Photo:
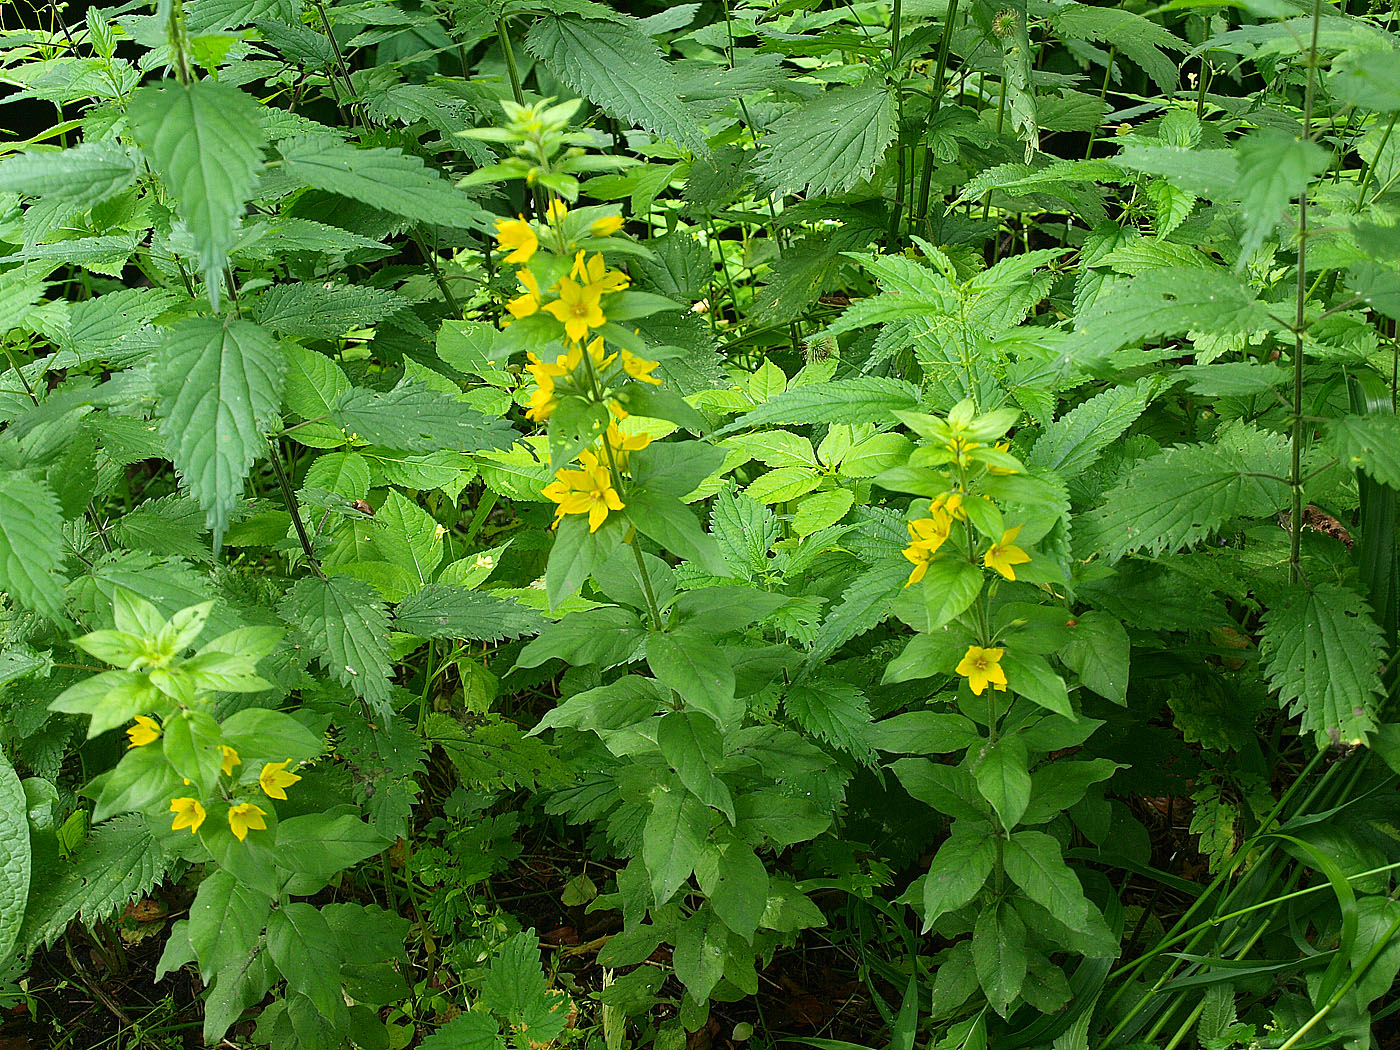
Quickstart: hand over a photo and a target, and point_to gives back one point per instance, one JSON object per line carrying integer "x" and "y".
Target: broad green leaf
{"x": 1031, "y": 676}
{"x": 303, "y": 948}
{"x": 1369, "y": 443}
{"x": 701, "y": 947}
{"x": 673, "y": 839}
{"x": 868, "y": 399}
{"x": 344, "y": 473}
{"x": 690, "y": 741}
{"x": 959, "y": 870}
{"x": 385, "y": 178}
{"x": 322, "y": 310}
{"x": 1099, "y": 654}
{"x": 950, "y": 585}
{"x": 1323, "y": 654}
{"x": 999, "y": 954}
{"x": 409, "y": 537}
{"x": 442, "y": 611}
{"x": 1074, "y": 441}
{"x": 865, "y": 603}
{"x": 829, "y": 143}
{"x": 1033, "y": 861}
{"x": 604, "y": 636}
{"x": 515, "y": 989}
{"x": 205, "y": 139}
{"x": 320, "y": 845}
{"x": 923, "y": 733}
{"x": 226, "y": 922}
{"x": 618, "y": 67}
{"x": 15, "y": 858}
{"x": 347, "y": 624}
{"x": 1137, "y": 37}
{"x": 739, "y": 891}
{"x": 472, "y": 1030}
{"x": 31, "y": 545}
{"x": 769, "y": 816}
{"x": 82, "y": 175}
{"x": 835, "y": 712}
{"x": 1275, "y": 167}
{"x": 697, "y": 670}
{"x": 782, "y": 484}
{"x": 220, "y": 386}
{"x": 1056, "y": 786}
{"x": 744, "y": 529}
{"x": 413, "y": 418}
{"x": 1003, "y": 778}
{"x": 821, "y": 510}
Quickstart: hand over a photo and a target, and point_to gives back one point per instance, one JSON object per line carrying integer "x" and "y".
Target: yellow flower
{"x": 926, "y": 535}
{"x": 982, "y": 667}
{"x": 588, "y": 490}
{"x": 529, "y": 303}
{"x": 517, "y": 237}
{"x": 623, "y": 445}
{"x": 606, "y": 226}
{"x": 230, "y": 759}
{"x": 246, "y": 816}
{"x": 595, "y": 274}
{"x": 959, "y": 446}
{"x": 639, "y": 367}
{"x": 555, "y": 213}
{"x": 145, "y": 731}
{"x": 275, "y": 779}
{"x": 578, "y": 308}
{"x": 950, "y": 504}
{"x": 188, "y": 814}
{"x": 1002, "y": 556}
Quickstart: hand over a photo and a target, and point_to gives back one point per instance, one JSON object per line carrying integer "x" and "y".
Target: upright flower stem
{"x": 920, "y": 211}
{"x": 897, "y": 211}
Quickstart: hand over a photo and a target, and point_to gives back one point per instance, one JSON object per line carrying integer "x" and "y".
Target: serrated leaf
{"x": 415, "y": 419}
{"x": 868, "y": 399}
{"x": 1274, "y": 168}
{"x": 31, "y": 545}
{"x": 836, "y": 712}
{"x": 618, "y": 67}
{"x": 15, "y": 858}
{"x": 1370, "y": 444}
{"x": 440, "y": 611}
{"x": 744, "y": 529}
{"x": 830, "y": 143}
{"x": 206, "y": 141}
{"x": 308, "y": 310}
{"x": 1165, "y": 302}
{"x": 385, "y": 178}
{"x": 865, "y": 603}
{"x": 1071, "y": 444}
{"x": 82, "y": 175}
{"x": 1322, "y": 653}
{"x": 346, "y": 622}
{"x": 220, "y": 387}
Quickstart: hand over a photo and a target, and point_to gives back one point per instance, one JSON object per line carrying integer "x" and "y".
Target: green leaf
{"x": 1031, "y": 676}
{"x": 1074, "y": 441}
{"x": 473, "y": 1030}
{"x": 950, "y": 585}
{"x": 691, "y": 742}
{"x": 384, "y": 178}
{"x": 578, "y": 553}
{"x": 836, "y": 712}
{"x": 206, "y": 141}
{"x": 15, "y": 858}
{"x": 303, "y": 948}
{"x": 81, "y": 176}
{"x": 999, "y": 954}
{"x": 744, "y": 529}
{"x": 413, "y": 418}
{"x": 865, "y": 603}
{"x": 768, "y": 815}
{"x": 1099, "y": 654}
{"x": 321, "y": 310}
{"x": 31, "y": 545}
{"x": 226, "y": 923}
{"x": 673, "y": 839}
{"x": 959, "y": 870}
{"x": 1370, "y": 444}
{"x": 829, "y": 143}
{"x": 1033, "y": 861}
{"x": 220, "y": 387}
{"x": 515, "y": 988}
{"x": 868, "y": 399}
{"x": 320, "y": 845}
{"x": 1323, "y": 653}
{"x": 738, "y": 891}
{"x": 1056, "y": 786}
{"x": 1184, "y": 494}
{"x": 604, "y": 636}
{"x": 701, "y": 946}
{"x": 923, "y": 733}
{"x": 410, "y": 537}
{"x": 441, "y": 611}
{"x": 1003, "y": 778}
{"x": 1274, "y": 168}
{"x": 347, "y": 624}
{"x": 697, "y": 670}
{"x": 618, "y": 67}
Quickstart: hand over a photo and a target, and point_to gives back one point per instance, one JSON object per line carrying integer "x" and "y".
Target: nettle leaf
{"x": 1141, "y": 39}
{"x": 385, "y": 178}
{"x": 1370, "y": 444}
{"x": 310, "y": 310}
{"x": 415, "y": 419}
{"x": 220, "y": 387}
{"x": 81, "y": 175}
{"x": 440, "y": 611}
{"x": 1274, "y": 168}
{"x": 1184, "y": 494}
{"x": 31, "y": 544}
{"x": 349, "y": 627}
{"x": 830, "y": 143}
{"x": 865, "y": 603}
{"x": 15, "y": 856}
{"x": 1323, "y": 654}
{"x": 864, "y": 400}
{"x": 206, "y": 141}
{"x": 618, "y": 67}
{"x": 1074, "y": 441}
{"x": 836, "y": 712}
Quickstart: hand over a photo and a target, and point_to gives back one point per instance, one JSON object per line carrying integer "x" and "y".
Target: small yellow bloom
{"x": 556, "y": 212}
{"x": 926, "y": 535}
{"x": 606, "y": 226}
{"x": 950, "y": 504}
{"x": 275, "y": 779}
{"x": 639, "y": 368}
{"x": 982, "y": 667}
{"x": 588, "y": 490}
{"x": 145, "y": 731}
{"x": 959, "y": 446}
{"x": 529, "y": 303}
{"x": 230, "y": 759}
{"x": 245, "y": 817}
{"x": 518, "y": 237}
{"x": 188, "y": 814}
{"x": 595, "y": 274}
{"x": 623, "y": 445}
{"x": 1005, "y": 554}
{"x": 578, "y": 308}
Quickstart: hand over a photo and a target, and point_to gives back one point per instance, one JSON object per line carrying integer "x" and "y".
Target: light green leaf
{"x": 1031, "y": 676}
{"x": 820, "y": 510}
{"x": 673, "y": 839}
{"x": 691, "y": 742}
{"x": 1074, "y": 441}
{"x": 226, "y": 922}
{"x": 442, "y": 611}
{"x": 303, "y": 948}
{"x": 1369, "y": 443}
{"x": 409, "y": 536}
{"x": 1275, "y": 167}
{"x": 1323, "y": 654}
{"x": 830, "y": 143}
{"x": 949, "y": 587}
{"x": 782, "y": 484}
{"x": 1003, "y": 778}
{"x": 473, "y": 1030}
{"x": 959, "y": 870}
{"x": 206, "y": 141}
{"x": 81, "y": 175}
{"x": 15, "y": 859}
{"x": 868, "y": 399}
{"x": 220, "y": 388}
{"x": 31, "y": 545}
{"x": 1099, "y": 655}
{"x": 349, "y": 628}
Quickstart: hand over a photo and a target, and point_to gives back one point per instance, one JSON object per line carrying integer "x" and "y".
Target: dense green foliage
{"x": 845, "y": 465}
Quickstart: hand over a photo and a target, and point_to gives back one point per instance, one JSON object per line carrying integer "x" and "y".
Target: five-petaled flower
{"x": 244, "y": 817}
{"x": 275, "y": 779}
{"x": 595, "y": 273}
{"x": 556, "y": 212}
{"x": 1003, "y": 555}
{"x": 517, "y": 237}
{"x": 529, "y": 303}
{"x": 188, "y": 814}
{"x": 578, "y": 308}
{"x": 926, "y": 535}
{"x": 982, "y": 667}
{"x": 145, "y": 731}
{"x": 229, "y": 759}
{"x": 639, "y": 367}
{"x": 588, "y": 490}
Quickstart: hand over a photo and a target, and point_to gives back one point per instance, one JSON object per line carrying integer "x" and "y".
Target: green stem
{"x": 512, "y": 70}
{"x": 289, "y": 497}
{"x": 939, "y": 72}
{"x": 897, "y": 212}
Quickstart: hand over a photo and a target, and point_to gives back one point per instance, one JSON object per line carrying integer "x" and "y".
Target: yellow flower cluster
{"x": 591, "y": 489}
{"x": 926, "y": 535}
{"x": 189, "y": 812}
